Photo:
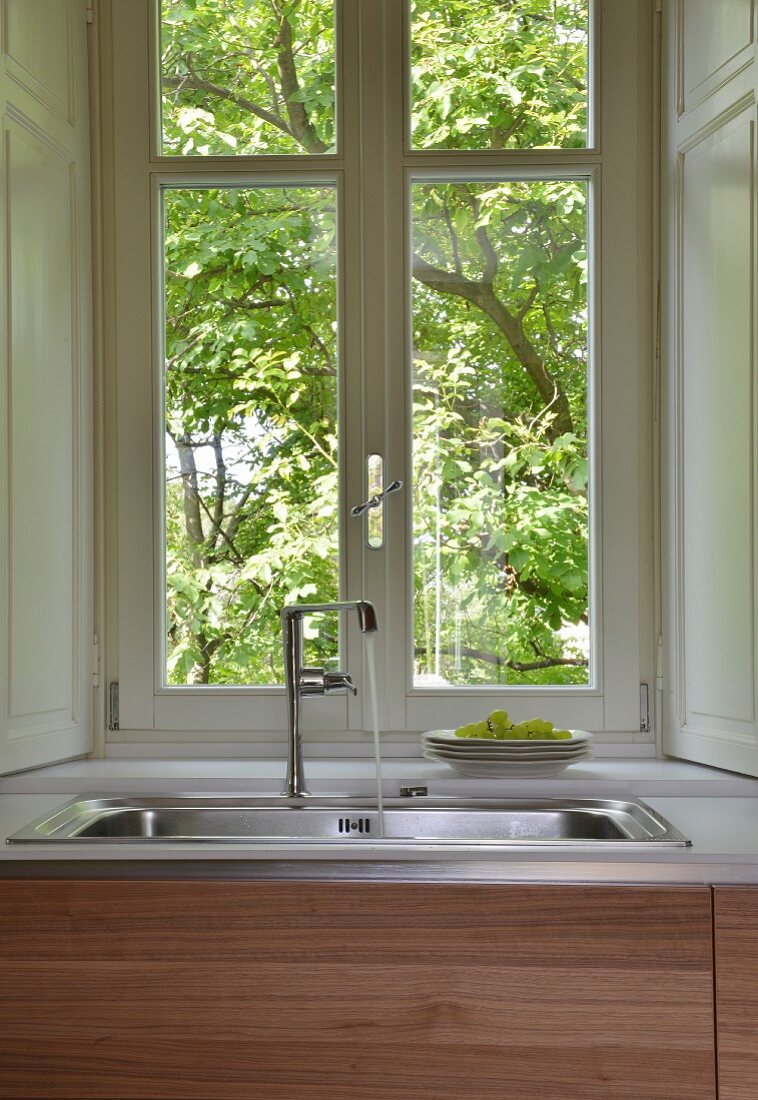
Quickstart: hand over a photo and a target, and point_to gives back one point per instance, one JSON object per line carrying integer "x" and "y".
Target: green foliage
{"x": 499, "y": 74}
{"x": 499, "y": 331}
{"x": 500, "y": 516}
{"x": 251, "y": 392}
{"x": 247, "y": 76}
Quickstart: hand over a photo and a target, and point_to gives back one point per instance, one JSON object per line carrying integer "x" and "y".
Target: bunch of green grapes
{"x": 499, "y": 727}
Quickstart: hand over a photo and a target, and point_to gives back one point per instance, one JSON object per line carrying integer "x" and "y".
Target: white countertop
{"x": 717, "y": 810}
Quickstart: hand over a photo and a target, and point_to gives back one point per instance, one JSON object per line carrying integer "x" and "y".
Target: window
{"x": 363, "y": 242}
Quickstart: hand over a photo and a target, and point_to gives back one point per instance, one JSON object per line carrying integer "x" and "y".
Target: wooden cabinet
{"x": 351, "y": 991}
{"x": 736, "y": 940}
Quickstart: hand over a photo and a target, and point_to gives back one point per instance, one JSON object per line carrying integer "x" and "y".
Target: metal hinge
{"x": 89, "y": 11}
{"x": 659, "y": 7}
{"x": 113, "y": 706}
{"x": 95, "y": 666}
{"x": 645, "y": 708}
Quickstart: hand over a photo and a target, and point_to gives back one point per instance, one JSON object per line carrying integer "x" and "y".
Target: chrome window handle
{"x": 376, "y": 499}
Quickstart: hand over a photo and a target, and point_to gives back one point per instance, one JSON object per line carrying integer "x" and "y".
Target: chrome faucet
{"x": 300, "y": 681}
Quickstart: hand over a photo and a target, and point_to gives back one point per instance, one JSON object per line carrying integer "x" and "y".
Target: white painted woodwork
{"x": 41, "y": 424}
{"x": 373, "y": 171}
{"x": 41, "y": 52}
{"x": 45, "y": 390}
{"x": 709, "y": 395}
{"x": 717, "y": 365}
{"x": 715, "y": 38}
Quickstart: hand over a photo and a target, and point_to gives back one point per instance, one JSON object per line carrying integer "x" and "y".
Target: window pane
{"x": 375, "y": 516}
{"x": 251, "y": 426}
{"x": 247, "y": 76}
{"x": 500, "y": 433}
{"x": 493, "y": 75}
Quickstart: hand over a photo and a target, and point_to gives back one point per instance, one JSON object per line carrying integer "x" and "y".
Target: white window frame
{"x": 372, "y": 169}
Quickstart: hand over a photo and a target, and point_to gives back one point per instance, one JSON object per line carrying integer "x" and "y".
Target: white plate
{"x": 514, "y": 758}
{"x": 526, "y": 748}
{"x": 447, "y": 738}
{"x": 466, "y": 754}
{"x": 509, "y": 762}
{"x": 503, "y": 769}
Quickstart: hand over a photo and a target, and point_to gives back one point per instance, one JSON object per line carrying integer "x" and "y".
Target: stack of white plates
{"x": 484, "y": 756}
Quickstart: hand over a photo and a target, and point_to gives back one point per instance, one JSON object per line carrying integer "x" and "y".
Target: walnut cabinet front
{"x": 353, "y": 991}
{"x": 735, "y": 914}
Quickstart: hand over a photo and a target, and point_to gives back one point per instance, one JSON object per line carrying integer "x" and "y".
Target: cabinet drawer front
{"x": 340, "y": 990}
{"x": 736, "y": 938}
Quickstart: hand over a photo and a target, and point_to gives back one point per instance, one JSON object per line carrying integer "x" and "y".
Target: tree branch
{"x": 453, "y": 241}
{"x": 192, "y": 518}
{"x": 192, "y": 80}
{"x": 482, "y": 295}
{"x": 491, "y": 261}
{"x": 301, "y": 127}
{"x": 517, "y": 666}
{"x": 220, "y": 488}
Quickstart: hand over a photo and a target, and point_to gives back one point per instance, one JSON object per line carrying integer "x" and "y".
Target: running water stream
{"x": 371, "y": 664}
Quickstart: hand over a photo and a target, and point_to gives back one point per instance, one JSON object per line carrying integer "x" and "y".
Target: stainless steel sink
{"x": 350, "y": 821}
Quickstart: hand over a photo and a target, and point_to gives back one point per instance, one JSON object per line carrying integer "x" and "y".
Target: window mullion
{"x": 383, "y": 350}
{"x": 352, "y": 579}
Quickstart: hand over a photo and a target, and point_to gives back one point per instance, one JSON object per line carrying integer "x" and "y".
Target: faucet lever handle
{"x": 339, "y": 681}
{"x": 314, "y": 681}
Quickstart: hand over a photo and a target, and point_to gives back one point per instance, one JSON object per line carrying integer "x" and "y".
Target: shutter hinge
{"x": 113, "y": 706}
{"x": 658, "y": 7}
{"x": 659, "y": 664}
{"x": 95, "y": 666}
{"x": 89, "y": 11}
{"x": 645, "y": 708}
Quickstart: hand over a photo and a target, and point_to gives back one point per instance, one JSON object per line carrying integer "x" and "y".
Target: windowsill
{"x": 342, "y": 746}
{"x": 606, "y": 778}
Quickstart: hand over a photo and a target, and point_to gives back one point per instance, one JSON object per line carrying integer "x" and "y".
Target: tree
{"x": 499, "y": 326}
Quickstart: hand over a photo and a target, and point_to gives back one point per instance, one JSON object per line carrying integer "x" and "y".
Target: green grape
{"x": 498, "y": 727}
{"x": 519, "y": 732}
{"x": 473, "y": 729}
{"x": 539, "y": 727}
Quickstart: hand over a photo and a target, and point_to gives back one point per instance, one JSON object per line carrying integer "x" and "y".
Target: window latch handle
{"x": 376, "y": 499}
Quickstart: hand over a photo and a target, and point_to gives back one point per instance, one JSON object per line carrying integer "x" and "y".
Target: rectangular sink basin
{"x": 350, "y": 821}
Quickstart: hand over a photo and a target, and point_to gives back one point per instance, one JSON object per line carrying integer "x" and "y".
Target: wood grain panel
{"x": 736, "y": 939}
{"x": 340, "y": 991}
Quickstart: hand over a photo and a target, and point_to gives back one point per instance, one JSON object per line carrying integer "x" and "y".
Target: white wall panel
{"x": 717, "y": 371}
{"x": 42, "y": 423}
{"x": 38, "y": 42}
{"x": 715, "y": 40}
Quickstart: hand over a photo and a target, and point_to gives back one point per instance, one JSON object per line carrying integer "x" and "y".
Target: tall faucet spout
{"x": 366, "y": 617}
{"x": 295, "y": 682}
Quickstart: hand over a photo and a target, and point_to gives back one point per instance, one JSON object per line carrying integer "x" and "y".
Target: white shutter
{"x": 709, "y": 412}
{"x": 45, "y": 389}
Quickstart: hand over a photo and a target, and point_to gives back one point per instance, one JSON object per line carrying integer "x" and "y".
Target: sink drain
{"x": 358, "y": 825}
